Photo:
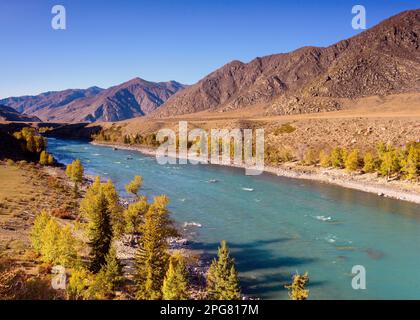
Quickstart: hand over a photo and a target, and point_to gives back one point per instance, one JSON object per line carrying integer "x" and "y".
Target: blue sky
{"x": 109, "y": 42}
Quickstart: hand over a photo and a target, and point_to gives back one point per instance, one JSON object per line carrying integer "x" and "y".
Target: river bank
{"x": 400, "y": 190}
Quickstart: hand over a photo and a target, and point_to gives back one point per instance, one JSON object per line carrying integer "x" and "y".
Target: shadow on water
{"x": 261, "y": 273}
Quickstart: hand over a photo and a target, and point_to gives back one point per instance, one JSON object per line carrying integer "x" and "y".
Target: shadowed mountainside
{"x": 10, "y": 114}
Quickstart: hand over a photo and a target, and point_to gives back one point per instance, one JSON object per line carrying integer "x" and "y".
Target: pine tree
{"x": 99, "y": 231}
{"x": 69, "y": 170}
{"x": 77, "y": 171}
{"x": 54, "y": 244}
{"x": 175, "y": 284}
{"x": 297, "y": 290}
{"x": 222, "y": 279}
{"x": 336, "y": 158}
{"x": 115, "y": 208}
{"x": 389, "y": 162}
{"x": 79, "y": 284}
{"x": 411, "y": 164}
{"x": 324, "y": 159}
{"x": 103, "y": 211}
{"x": 112, "y": 270}
{"x": 369, "y": 164}
{"x": 38, "y": 229}
{"x": 134, "y": 214}
{"x": 50, "y": 251}
{"x": 67, "y": 253}
{"x": 352, "y": 160}
{"x": 152, "y": 257}
{"x": 134, "y": 186}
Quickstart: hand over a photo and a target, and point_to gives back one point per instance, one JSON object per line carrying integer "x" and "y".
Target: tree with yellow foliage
{"x": 352, "y": 161}
{"x": 369, "y": 163}
{"x": 175, "y": 284}
{"x": 297, "y": 290}
{"x": 222, "y": 278}
{"x": 152, "y": 256}
{"x": 134, "y": 185}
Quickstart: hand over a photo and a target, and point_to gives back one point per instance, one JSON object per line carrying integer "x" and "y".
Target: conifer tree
{"x": 369, "y": 164}
{"x": 67, "y": 253}
{"x": 389, "y": 162}
{"x": 112, "y": 270}
{"x": 134, "y": 185}
{"x": 77, "y": 171}
{"x": 50, "y": 251}
{"x": 175, "y": 284}
{"x": 115, "y": 208}
{"x": 324, "y": 159}
{"x": 336, "y": 158}
{"x": 152, "y": 257}
{"x": 222, "y": 278}
{"x": 352, "y": 160}
{"x": 79, "y": 283}
{"x": 38, "y": 229}
{"x": 411, "y": 164}
{"x": 69, "y": 170}
{"x": 134, "y": 214}
{"x": 99, "y": 230}
{"x": 297, "y": 290}
{"x": 103, "y": 211}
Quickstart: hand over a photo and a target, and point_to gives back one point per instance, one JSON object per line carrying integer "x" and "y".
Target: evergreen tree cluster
{"x": 159, "y": 273}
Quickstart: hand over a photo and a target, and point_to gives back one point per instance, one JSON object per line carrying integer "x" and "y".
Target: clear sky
{"x": 108, "y": 42}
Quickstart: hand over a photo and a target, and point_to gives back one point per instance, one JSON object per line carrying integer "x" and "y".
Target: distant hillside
{"x": 134, "y": 98}
{"x": 10, "y": 114}
{"x": 48, "y": 100}
{"x": 381, "y": 61}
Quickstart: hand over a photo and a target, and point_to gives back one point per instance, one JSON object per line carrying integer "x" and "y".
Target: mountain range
{"x": 381, "y": 61}
{"x": 130, "y": 99}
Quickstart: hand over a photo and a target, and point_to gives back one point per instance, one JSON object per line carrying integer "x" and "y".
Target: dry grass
{"x": 25, "y": 190}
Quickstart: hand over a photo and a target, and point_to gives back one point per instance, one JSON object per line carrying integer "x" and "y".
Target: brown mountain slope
{"x": 134, "y": 98}
{"x": 10, "y": 114}
{"x": 48, "y": 100}
{"x": 380, "y": 61}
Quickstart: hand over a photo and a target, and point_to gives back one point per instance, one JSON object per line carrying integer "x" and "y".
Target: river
{"x": 281, "y": 227}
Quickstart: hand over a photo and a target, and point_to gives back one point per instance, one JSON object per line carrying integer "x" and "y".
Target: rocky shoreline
{"x": 399, "y": 190}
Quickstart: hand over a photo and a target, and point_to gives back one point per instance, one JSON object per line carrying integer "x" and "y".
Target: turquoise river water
{"x": 282, "y": 226}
